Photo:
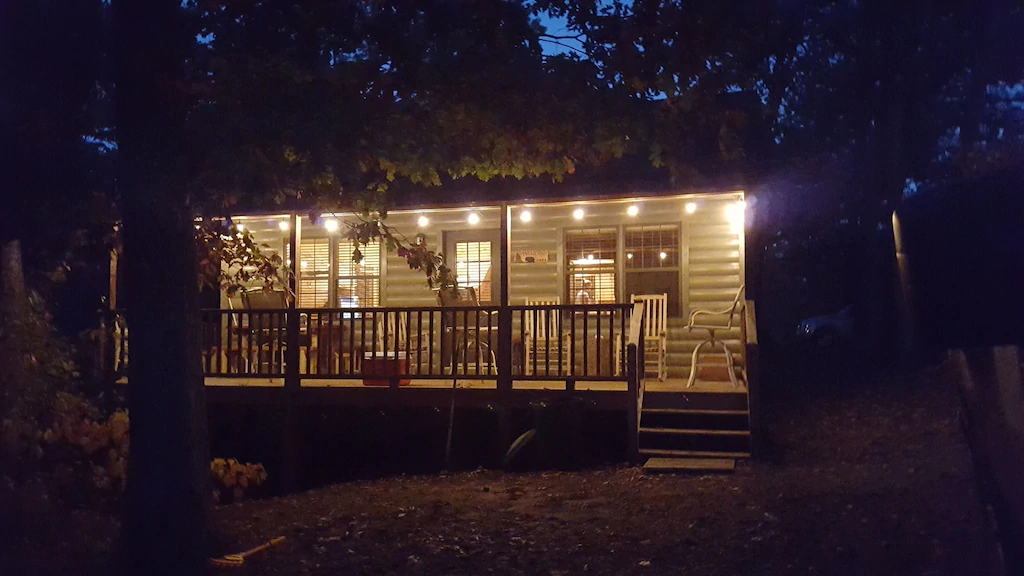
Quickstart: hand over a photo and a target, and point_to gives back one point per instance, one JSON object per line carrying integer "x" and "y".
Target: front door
{"x": 653, "y": 263}
{"x": 475, "y": 255}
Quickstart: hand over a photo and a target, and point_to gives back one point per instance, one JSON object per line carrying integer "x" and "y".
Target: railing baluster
{"x": 622, "y": 341}
{"x": 408, "y": 340}
{"x": 430, "y": 352}
{"x": 490, "y": 343}
{"x": 373, "y": 342}
{"x": 465, "y": 341}
{"x": 558, "y": 334}
{"x": 522, "y": 342}
{"x": 351, "y": 342}
{"x": 229, "y": 348}
{"x": 534, "y": 313}
{"x": 597, "y": 335}
{"x": 419, "y": 342}
{"x": 586, "y": 343}
{"x": 572, "y": 342}
{"x": 476, "y": 314}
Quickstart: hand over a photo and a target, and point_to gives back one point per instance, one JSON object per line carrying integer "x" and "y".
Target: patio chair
{"x": 266, "y": 315}
{"x": 543, "y": 337}
{"x": 705, "y": 320}
{"x": 655, "y": 328}
{"x": 460, "y": 331}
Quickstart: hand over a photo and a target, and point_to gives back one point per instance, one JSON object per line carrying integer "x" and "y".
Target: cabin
{"x": 635, "y": 304}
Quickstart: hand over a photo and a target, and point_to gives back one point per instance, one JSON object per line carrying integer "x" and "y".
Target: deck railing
{"x": 549, "y": 342}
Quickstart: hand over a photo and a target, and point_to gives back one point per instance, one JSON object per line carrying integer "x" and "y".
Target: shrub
{"x": 234, "y": 479}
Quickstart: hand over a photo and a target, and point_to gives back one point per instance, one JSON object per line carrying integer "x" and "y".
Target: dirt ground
{"x": 870, "y": 481}
{"x": 875, "y": 481}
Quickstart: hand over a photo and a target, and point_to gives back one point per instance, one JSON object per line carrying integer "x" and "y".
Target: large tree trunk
{"x": 12, "y": 276}
{"x": 166, "y": 528}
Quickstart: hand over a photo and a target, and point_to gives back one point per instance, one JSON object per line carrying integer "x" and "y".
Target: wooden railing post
{"x": 750, "y": 365}
{"x": 633, "y": 406}
{"x": 635, "y": 380}
{"x": 291, "y": 440}
{"x": 504, "y": 334}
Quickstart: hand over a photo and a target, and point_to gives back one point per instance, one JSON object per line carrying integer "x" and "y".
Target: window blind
{"x": 358, "y": 284}
{"x": 473, "y": 267}
{"x": 590, "y": 255}
{"x": 314, "y": 273}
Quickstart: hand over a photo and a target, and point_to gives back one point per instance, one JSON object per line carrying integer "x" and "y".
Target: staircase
{"x": 703, "y": 428}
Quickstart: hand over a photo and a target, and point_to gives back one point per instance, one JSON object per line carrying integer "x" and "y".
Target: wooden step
{"x": 690, "y": 465}
{"x": 692, "y": 453}
{"x": 695, "y": 432}
{"x": 689, "y": 412}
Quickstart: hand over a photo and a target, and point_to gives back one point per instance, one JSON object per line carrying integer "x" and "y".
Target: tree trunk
{"x": 166, "y": 527}
{"x": 12, "y": 276}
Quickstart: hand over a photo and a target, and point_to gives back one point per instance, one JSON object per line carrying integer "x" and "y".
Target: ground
{"x": 873, "y": 480}
{"x": 869, "y": 481}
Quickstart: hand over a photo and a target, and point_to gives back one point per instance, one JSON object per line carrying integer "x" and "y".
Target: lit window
{"x": 358, "y": 284}
{"x": 590, "y": 256}
{"x": 652, "y": 246}
{"x": 473, "y": 267}
{"x": 315, "y": 273}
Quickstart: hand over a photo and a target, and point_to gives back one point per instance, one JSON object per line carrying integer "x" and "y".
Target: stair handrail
{"x": 635, "y": 381}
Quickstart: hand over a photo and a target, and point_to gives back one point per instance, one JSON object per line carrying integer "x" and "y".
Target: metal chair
{"x": 655, "y": 327}
{"x": 463, "y": 336}
{"x": 543, "y": 336}
{"x": 703, "y": 320}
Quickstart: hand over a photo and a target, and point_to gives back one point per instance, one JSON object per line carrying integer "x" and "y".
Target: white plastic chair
{"x": 549, "y": 342}
{"x": 704, "y": 320}
{"x": 655, "y": 327}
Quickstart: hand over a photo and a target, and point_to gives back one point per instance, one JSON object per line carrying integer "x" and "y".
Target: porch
{"x": 545, "y": 310}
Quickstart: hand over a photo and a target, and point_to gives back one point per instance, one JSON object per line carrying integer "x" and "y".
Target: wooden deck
{"x": 652, "y": 385}
{"x": 437, "y": 392}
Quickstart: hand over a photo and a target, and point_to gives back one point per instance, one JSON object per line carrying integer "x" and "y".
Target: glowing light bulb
{"x": 590, "y": 256}
{"x": 525, "y": 216}
{"x": 423, "y": 221}
{"x": 633, "y": 210}
{"x": 629, "y": 256}
{"x": 578, "y": 213}
{"x": 331, "y": 225}
{"x": 691, "y": 207}
{"x": 474, "y": 218}
{"x": 239, "y": 227}
{"x": 283, "y": 225}
{"x": 663, "y": 255}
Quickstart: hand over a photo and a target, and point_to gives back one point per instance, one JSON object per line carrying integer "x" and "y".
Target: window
{"x": 358, "y": 284}
{"x": 329, "y": 278}
{"x": 652, "y": 246}
{"x": 590, "y": 256}
{"x": 473, "y": 267}
{"x": 314, "y": 272}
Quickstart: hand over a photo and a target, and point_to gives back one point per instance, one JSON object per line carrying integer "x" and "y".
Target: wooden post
{"x": 751, "y": 365}
{"x": 292, "y": 379}
{"x": 633, "y": 406}
{"x": 504, "y": 335}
